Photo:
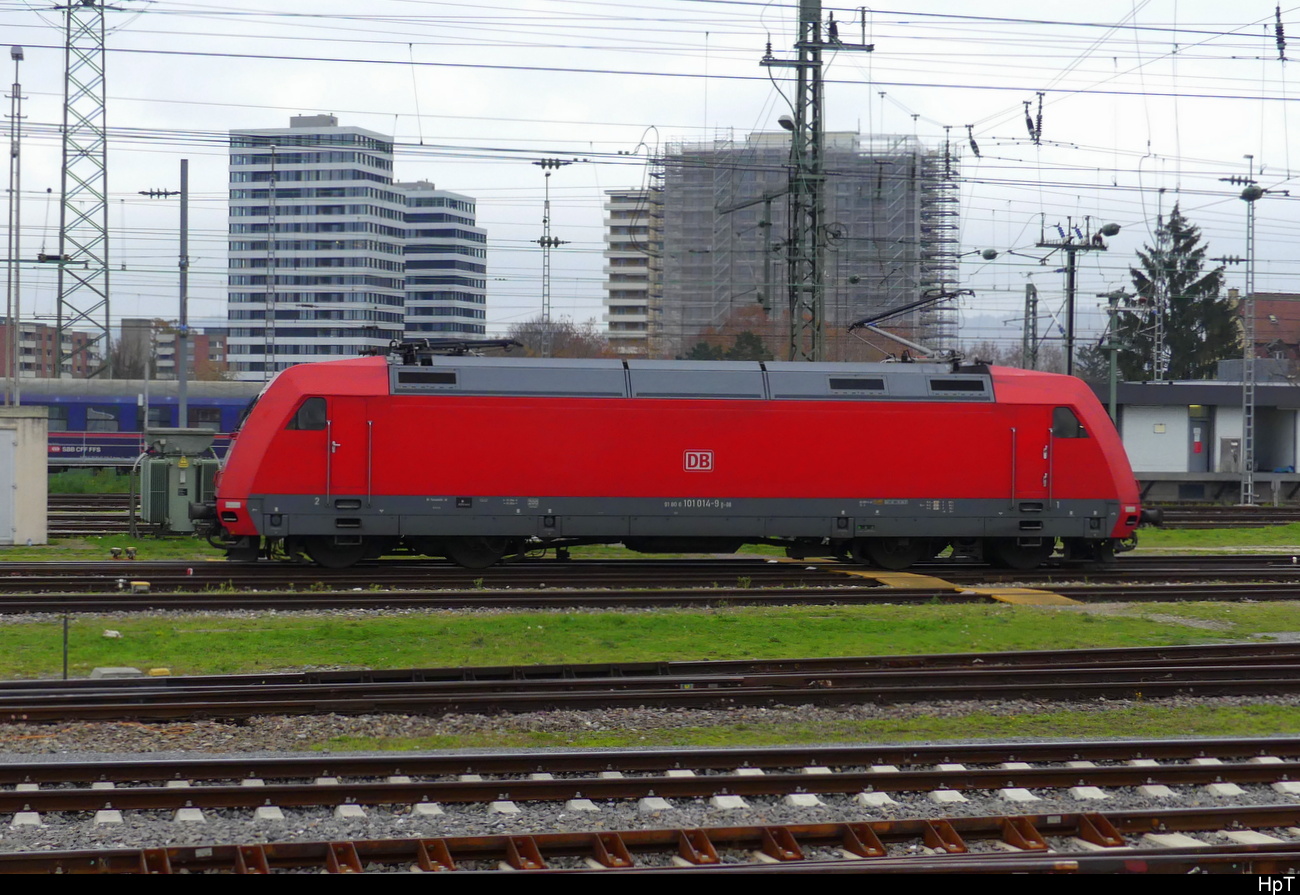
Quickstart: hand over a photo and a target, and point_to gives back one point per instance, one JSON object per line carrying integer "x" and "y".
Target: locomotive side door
{"x": 1031, "y": 456}
{"x": 348, "y": 447}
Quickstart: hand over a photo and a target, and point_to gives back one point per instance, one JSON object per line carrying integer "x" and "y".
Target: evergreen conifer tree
{"x": 1200, "y": 325}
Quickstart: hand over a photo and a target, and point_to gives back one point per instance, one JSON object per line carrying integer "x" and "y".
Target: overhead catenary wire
{"x": 594, "y": 20}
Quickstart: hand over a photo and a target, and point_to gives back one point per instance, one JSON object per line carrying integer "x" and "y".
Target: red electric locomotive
{"x": 476, "y": 458}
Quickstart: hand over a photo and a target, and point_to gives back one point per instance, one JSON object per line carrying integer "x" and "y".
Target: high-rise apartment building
{"x": 890, "y": 227}
{"x": 446, "y": 266}
{"x": 330, "y": 258}
{"x": 316, "y": 245}
{"x": 633, "y": 250}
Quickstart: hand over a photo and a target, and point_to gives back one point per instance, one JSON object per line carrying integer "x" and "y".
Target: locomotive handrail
{"x": 1051, "y": 469}
{"x": 1013, "y": 468}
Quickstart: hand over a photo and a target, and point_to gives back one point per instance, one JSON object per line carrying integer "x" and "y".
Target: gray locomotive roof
{"x": 743, "y": 380}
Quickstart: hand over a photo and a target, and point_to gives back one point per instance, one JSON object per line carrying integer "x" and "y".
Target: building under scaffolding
{"x": 891, "y": 234}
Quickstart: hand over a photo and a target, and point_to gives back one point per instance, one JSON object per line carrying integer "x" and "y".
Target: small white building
{"x": 1184, "y": 439}
{"x": 24, "y": 483}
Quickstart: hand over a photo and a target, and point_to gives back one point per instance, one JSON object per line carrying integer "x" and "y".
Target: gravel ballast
{"x": 287, "y": 735}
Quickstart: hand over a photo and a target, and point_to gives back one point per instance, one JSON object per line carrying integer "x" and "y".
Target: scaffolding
{"x": 891, "y": 232}
{"x": 654, "y": 251}
{"x": 939, "y": 247}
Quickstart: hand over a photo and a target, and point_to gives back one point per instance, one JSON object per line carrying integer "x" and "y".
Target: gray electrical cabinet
{"x": 176, "y": 475}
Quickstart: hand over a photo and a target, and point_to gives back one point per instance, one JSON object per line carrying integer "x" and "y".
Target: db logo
{"x": 698, "y": 461}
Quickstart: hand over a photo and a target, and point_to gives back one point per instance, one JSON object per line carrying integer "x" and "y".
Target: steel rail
{"x": 644, "y": 762}
{"x": 665, "y": 596}
{"x": 630, "y": 572}
{"x": 727, "y": 684}
{"x": 927, "y": 845}
{"x": 1145, "y": 657}
{"x": 575, "y": 572}
{"x": 237, "y": 706}
{"x": 839, "y": 782}
{"x": 110, "y": 576}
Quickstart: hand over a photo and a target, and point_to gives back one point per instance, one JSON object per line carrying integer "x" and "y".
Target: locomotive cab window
{"x": 310, "y": 415}
{"x": 1066, "y": 425}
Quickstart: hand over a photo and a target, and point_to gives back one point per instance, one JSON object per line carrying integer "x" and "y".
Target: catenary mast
{"x": 83, "y": 215}
{"x": 806, "y": 235}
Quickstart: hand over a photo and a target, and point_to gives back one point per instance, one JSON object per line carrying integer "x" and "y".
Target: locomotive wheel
{"x": 893, "y": 554}
{"x": 1012, "y": 554}
{"x": 476, "y": 553}
{"x": 324, "y": 552}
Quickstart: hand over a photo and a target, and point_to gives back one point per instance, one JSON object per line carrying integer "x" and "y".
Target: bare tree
{"x": 567, "y": 339}
{"x": 1051, "y": 357}
{"x": 130, "y": 359}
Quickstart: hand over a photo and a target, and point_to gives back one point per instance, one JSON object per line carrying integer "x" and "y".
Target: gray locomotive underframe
{"x": 679, "y": 517}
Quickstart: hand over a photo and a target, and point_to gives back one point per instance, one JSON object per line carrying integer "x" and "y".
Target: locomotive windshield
{"x": 243, "y": 414}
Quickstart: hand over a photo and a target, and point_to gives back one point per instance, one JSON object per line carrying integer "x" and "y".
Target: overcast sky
{"x": 1146, "y": 103}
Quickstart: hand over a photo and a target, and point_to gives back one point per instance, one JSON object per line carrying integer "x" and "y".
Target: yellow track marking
{"x": 909, "y": 580}
{"x": 1019, "y": 596}
{"x": 1024, "y": 596}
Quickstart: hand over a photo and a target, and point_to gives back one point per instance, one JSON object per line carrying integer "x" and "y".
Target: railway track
{"x": 125, "y": 586}
{"x": 857, "y": 841}
{"x": 662, "y": 597}
{"x": 1231, "y": 670}
{"x": 1041, "y": 844}
{"x": 1066, "y": 799}
{"x": 1229, "y": 517}
{"x": 82, "y": 515}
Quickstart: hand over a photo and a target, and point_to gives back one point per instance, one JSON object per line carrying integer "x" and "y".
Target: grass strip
{"x": 1103, "y": 722}
{"x": 227, "y": 644}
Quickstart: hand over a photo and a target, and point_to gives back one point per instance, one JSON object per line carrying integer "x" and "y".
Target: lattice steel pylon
{"x": 83, "y": 215}
{"x": 1252, "y": 193}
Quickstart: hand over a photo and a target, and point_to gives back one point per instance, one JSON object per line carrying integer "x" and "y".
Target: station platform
{"x": 1271, "y": 488}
